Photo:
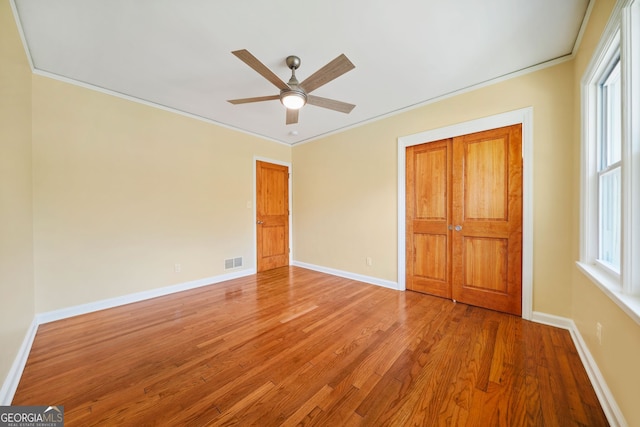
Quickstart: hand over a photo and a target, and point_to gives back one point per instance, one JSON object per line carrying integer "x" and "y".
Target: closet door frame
{"x": 522, "y": 116}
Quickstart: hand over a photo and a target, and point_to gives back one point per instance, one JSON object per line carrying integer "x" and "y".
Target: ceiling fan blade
{"x": 254, "y": 99}
{"x": 331, "y": 104}
{"x": 324, "y": 75}
{"x": 262, "y": 69}
{"x": 292, "y": 116}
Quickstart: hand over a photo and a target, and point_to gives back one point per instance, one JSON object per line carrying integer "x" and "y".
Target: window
{"x": 609, "y": 147}
{"x": 610, "y": 210}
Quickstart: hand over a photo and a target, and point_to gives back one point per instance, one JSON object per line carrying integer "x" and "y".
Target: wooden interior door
{"x": 487, "y": 209}
{"x": 428, "y": 243}
{"x": 272, "y": 215}
{"x": 464, "y": 227}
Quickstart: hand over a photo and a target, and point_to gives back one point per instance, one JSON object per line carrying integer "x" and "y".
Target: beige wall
{"x": 345, "y": 185}
{"x": 619, "y": 353}
{"x": 124, "y": 191}
{"x": 16, "y": 236}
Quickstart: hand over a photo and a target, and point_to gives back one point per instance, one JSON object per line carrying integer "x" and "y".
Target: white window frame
{"x": 621, "y": 36}
{"x": 612, "y": 59}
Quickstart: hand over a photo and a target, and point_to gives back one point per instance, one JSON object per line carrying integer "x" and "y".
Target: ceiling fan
{"x": 294, "y": 95}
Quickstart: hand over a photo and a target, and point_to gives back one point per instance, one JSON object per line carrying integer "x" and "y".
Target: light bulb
{"x": 293, "y": 100}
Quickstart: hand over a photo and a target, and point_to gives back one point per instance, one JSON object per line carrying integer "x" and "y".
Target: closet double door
{"x": 464, "y": 219}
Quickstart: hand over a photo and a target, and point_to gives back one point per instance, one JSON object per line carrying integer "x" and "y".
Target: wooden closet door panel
{"x": 428, "y": 198}
{"x": 487, "y": 216}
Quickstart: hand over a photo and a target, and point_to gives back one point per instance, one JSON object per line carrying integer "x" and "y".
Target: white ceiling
{"x": 177, "y": 53}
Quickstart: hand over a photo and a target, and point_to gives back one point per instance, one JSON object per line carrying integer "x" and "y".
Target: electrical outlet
{"x": 369, "y": 261}
{"x": 177, "y": 268}
{"x": 599, "y": 332}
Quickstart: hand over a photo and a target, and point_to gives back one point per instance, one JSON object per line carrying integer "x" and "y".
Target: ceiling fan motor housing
{"x": 295, "y": 97}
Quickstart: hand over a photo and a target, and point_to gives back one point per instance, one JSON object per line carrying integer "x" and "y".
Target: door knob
{"x": 450, "y": 227}
{"x": 458, "y": 227}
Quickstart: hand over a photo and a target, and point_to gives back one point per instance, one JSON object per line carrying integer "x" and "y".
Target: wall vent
{"x": 232, "y": 263}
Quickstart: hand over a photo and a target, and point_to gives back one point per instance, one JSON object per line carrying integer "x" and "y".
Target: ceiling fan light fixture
{"x": 293, "y": 99}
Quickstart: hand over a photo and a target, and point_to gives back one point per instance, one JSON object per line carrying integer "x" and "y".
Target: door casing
{"x": 523, "y": 116}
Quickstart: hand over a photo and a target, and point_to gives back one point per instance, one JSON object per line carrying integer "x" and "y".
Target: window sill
{"x": 630, "y": 304}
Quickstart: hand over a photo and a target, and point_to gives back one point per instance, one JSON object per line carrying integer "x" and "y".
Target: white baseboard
{"x": 348, "y": 275}
{"x": 12, "y": 380}
{"x": 552, "y": 320}
{"x": 77, "y": 310}
{"x": 607, "y": 401}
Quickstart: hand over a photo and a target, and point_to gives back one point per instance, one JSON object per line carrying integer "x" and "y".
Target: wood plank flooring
{"x": 296, "y": 347}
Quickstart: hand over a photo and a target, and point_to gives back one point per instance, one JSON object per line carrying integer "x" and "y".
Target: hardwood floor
{"x": 296, "y": 347}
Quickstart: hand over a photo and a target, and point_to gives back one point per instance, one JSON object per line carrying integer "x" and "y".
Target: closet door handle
{"x": 450, "y": 227}
{"x": 458, "y": 227}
